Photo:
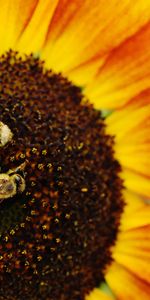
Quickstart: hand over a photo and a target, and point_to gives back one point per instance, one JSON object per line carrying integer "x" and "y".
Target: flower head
{"x": 74, "y": 150}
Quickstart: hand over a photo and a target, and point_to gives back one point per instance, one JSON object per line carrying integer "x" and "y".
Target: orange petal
{"x": 125, "y": 285}
{"x": 97, "y": 294}
{"x": 34, "y": 34}
{"x": 14, "y": 16}
{"x": 125, "y": 73}
{"x": 85, "y": 31}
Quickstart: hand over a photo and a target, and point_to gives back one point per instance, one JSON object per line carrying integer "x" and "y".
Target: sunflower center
{"x": 57, "y": 233}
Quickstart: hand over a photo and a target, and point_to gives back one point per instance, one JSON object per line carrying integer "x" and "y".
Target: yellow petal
{"x": 140, "y": 266}
{"x": 132, "y": 248}
{"x": 140, "y": 218}
{"x": 136, "y": 182}
{"x": 34, "y": 34}
{"x": 131, "y": 127}
{"x": 97, "y": 294}
{"x": 137, "y": 246}
{"x": 136, "y": 212}
{"x": 125, "y": 285}
{"x": 133, "y": 202}
{"x": 128, "y": 120}
{"x": 124, "y": 74}
{"x": 83, "y": 73}
{"x": 135, "y": 234}
{"x": 81, "y": 31}
{"x": 134, "y": 241}
{"x": 15, "y": 16}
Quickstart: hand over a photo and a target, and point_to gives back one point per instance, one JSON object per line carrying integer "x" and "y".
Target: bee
{"x": 12, "y": 183}
{"x": 5, "y": 134}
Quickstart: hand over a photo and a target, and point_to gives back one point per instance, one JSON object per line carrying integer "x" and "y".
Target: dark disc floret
{"x": 55, "y": 236}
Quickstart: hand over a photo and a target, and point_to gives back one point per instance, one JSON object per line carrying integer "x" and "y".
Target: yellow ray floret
{"x": 97, "y": 294}
{"x": 124, "y": 74}
{"x": 131, "y": 126}
{"x": 132, "y": 249}
{"x": 126, "y": 285}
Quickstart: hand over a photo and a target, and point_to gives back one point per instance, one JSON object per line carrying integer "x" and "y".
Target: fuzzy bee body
{"x": 11, "y": 183}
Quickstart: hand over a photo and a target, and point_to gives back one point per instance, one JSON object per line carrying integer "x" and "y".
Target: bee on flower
{"x": 74, "y": 150}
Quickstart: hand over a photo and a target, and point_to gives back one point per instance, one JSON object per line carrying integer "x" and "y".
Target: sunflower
{"x": 74, "y": 150}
